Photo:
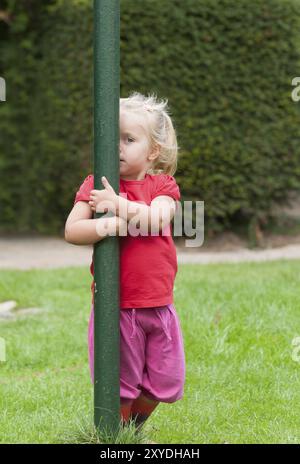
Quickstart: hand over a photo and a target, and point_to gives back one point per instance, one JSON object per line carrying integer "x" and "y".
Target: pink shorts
{"x": 151, "y": 353}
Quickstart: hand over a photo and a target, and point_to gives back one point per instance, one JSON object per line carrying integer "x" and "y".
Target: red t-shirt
{"x": 148, "y": 264}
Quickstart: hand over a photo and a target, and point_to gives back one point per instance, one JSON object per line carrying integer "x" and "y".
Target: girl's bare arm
{"x": 81, "y": 229}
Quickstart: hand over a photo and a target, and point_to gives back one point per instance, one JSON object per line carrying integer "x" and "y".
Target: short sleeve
{"x": 83, "y": 194}
{"x": 166, "y": 185}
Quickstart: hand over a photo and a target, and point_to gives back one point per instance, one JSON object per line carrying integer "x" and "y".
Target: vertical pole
{"x": 106, "y": 252}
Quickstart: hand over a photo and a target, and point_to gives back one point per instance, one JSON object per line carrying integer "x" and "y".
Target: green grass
{"x": 238, "y": 323}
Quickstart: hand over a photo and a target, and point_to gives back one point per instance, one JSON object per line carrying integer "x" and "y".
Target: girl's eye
{"x": 130, "y": 139}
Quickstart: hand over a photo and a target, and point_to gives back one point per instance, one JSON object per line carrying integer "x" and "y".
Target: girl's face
{"x": 135, "y": 155}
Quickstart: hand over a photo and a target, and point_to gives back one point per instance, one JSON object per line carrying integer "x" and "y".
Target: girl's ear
{"x": 155, "y": 152}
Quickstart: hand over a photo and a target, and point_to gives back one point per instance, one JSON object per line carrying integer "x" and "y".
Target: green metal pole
{"x": 106, "y": 252}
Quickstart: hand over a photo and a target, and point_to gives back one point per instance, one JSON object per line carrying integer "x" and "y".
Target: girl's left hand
{"x": 104, "y": 200}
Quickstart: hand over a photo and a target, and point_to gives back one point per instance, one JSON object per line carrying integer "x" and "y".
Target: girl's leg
{"x": 125, "y": 409}
{"x": 141, "y": 409}
{"x": 164, "y": 375}
{"x": 132, "y": 360}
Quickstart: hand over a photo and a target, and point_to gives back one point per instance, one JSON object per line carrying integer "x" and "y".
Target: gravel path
{"x": 52, "y": 252}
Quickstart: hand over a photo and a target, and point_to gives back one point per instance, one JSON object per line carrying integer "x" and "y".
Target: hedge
{"x": 226, "y": 68}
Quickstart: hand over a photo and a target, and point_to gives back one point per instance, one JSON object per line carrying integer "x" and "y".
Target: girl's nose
{"x": 120, "y": 147}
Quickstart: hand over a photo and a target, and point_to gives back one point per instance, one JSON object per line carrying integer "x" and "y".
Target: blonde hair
{"x": 160, "y": 129}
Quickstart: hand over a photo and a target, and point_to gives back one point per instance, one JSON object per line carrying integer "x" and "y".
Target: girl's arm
{"x": 81, "y": 229}
{"x": 153, "y": 218}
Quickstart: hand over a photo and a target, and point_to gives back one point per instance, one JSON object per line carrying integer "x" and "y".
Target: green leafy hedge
{"x": 226, "y": 68}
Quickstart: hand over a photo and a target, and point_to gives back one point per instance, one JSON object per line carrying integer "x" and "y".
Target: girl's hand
{"x": 102, "y": 201}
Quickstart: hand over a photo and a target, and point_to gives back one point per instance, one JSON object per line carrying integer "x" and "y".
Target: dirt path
{"x": 52, "y": 252}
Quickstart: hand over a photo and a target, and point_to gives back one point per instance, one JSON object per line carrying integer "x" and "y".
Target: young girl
{"x": 152, "y": 360}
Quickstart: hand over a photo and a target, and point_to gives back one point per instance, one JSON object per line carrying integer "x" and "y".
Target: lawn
{"x": 238, "y": 323}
